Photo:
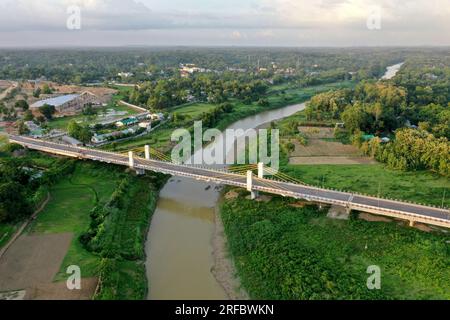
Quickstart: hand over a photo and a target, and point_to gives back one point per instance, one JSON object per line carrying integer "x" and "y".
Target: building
{"x": 67, "y": 104}
{"x": 72, "y": 141}
{"x": 126, "y": 122}
{"x": 187, "y": 69}
{"x": 156, "y": 116}
{"x": 146, "y": 125}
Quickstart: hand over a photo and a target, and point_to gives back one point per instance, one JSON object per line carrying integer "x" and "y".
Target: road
{"x": 408, "y": 211}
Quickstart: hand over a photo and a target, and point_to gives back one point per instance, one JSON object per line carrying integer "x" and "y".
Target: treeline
{"x": 163, "y": 94}
{"x": 370, "y": 107}
{"x": 412, "y": 150}
{"x": 117, "y": 234}
{"x": 82, "y": 65}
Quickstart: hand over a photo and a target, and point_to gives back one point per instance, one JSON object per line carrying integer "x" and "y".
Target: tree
{"x": 28, "y": 116}
{"x": 46, "y": 89}
{"x": 37, "y": 93}
{"x": 23, "y": 129}
{"x": 13, "y": 202}
{"x": 355, "y": 118}
{"x": 48, "y": 111}
{"x": 263, "y": 102}
{"x": 82, "y": 133}
{"x": 22, "y": 104}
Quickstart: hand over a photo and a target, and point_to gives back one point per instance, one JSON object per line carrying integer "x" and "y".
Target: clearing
{"x": 323, "y": 148}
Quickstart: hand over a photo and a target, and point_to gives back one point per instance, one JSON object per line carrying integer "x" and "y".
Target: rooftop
{"x": 56, "y": 101}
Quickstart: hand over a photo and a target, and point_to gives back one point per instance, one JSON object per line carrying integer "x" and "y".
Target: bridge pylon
{"x": 147, "y": 152}
{"x": 253, "y": 194}
{"x": 131, "y": 159}
{"x": 261, "y": 170}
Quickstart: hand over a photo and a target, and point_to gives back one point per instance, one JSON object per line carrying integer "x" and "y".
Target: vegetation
{"x": 418, "y": 96}
{"x": 80, "y": 132}
{"x": 112, "y": 240}
{"x": 47, "y": 111}
{"x": 421, "y": 187}
{"x": 285, "y": 252}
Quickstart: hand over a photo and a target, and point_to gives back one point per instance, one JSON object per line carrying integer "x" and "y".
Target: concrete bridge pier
{"x": 147, "y": 152}
{"x": 261, "y": 170}
{"x": 140, "y": 172}
{"x": 412, "y": 223}
{"x": 131, "y": 159}
{"x": 253, "y": 193}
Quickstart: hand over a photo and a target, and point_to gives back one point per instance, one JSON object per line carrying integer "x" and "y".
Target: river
{"x": 179, "y": 246}
{"x": 179, "y": 243}
{"x": 391, "y": 71}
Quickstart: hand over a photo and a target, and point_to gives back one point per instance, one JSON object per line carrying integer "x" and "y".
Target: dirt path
{"x": 7, "y": 91}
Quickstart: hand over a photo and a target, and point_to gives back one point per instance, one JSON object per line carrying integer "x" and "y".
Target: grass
{"x": 3, "y": 140}
{"x": 422, "y": 187}
{"x": 282, "y": 252}
{"x": 68, "y": 210}
{"x": 6, "y": 232}
{"x": 193, "y": 110}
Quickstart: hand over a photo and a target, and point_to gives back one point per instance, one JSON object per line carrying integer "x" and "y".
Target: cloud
{"x": 249, "y": 21}
{"x": 95, "y": 15}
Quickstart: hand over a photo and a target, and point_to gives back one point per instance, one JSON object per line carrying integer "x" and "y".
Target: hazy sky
{"x": 226, "y": 22}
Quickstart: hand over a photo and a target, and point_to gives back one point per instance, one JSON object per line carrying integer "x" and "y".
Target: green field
{"x": 193, "y": 110}
{"x": 72, "y": 199}
{"x": 282, "y": 252}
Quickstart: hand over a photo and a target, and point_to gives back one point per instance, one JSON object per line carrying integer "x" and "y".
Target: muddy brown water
{"x": 179, "y": 246}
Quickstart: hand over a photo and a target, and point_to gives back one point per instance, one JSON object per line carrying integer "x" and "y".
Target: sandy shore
{"x": 223, "y": 269}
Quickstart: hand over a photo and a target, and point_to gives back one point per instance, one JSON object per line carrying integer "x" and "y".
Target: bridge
{"x": 414, "y": 213}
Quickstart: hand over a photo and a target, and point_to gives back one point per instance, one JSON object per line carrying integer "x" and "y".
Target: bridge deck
{"x": 398, "y": 209}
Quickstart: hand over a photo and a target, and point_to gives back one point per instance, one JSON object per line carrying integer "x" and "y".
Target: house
{"x": 146, "y": 125}
{"x": 156, "y": 116}
{"x": 385, "y": 140}
{"x": 125, "y": 74}
{"x": 126, "y": 122}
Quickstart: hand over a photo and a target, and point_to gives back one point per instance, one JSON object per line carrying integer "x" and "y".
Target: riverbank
{"x": 224, "y": 269}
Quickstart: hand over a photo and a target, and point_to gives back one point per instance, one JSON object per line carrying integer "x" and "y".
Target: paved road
{"x": 413, "y": 212}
